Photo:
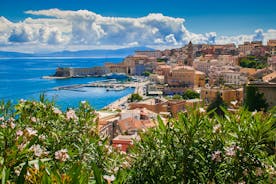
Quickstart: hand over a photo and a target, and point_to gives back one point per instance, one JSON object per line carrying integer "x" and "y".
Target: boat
{"x": 119, "y": 88}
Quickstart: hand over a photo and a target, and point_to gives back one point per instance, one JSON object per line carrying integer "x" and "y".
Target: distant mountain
{"x": 82, "y": 53}
{"x": 4, "y": 54}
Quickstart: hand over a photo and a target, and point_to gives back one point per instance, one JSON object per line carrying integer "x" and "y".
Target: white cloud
{"x": 61, "y": 29}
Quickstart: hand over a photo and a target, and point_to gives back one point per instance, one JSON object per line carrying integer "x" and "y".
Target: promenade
{"x": 123, "y": 102}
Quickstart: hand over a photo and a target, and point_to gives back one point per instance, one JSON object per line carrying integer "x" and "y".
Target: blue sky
{"x": 226, "y": 18}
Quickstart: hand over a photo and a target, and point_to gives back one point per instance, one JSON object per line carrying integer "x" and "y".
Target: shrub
{"x": 199, "y": 149}
{"x": 40, "y": 143}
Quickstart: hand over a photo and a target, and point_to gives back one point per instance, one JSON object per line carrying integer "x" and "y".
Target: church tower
{"x": 190, "y": 58}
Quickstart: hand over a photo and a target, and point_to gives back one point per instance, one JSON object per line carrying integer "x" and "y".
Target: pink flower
{"x": 19, "y": 133}
{"x": 38, "y": 151}
{"x": 61, "y": 155}
{"x": 57, "y": 111}
{"x": 31, "y": 132}
{"x": 70, "y": 114}
{"x": 22, "y": 146}
{"x": 2, "y": 118}
{"x": 232, "y": 150}
{"x": 216, "y": 156}
{"x": 3, "y": 125}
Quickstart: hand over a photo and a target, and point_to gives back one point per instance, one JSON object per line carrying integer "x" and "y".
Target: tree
{"x": 190, "y": 94}
{"x": 146, "y": 73}
{"x": 135, "y": 97}
{"x": 177, "y": 97}
{"x": 254, "y": 100}
{"x": 217, "y": 104}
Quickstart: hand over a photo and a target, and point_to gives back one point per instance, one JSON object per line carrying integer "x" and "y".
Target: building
{"x": 269, "y": 91}
{"x": 208, "y": 95}
{"x": 270, "y": 77}
{"x": 236, "y": 78}
{"x": 272, "y": 47}
{"x": 80, "y": 72}
{"x": 149, "y": 53}
{"x": 190, "y": 58}
{"x": 123, "y": 142}
{"x": 165, "y": 106}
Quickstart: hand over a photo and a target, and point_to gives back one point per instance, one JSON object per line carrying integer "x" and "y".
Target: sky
{"x": 52, "y": 25}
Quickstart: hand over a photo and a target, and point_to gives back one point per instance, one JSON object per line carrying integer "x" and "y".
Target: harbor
{"x": 112, "y": 85}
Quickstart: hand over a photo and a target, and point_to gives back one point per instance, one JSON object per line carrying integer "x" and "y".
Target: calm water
{"x": 21, "y": 78}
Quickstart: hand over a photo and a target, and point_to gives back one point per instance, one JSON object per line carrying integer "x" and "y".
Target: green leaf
{"x": 21, "y": 178}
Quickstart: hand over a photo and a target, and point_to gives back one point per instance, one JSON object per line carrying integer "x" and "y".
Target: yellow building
{"x": 199, "y": 79}
{"x": 208, "y": 95}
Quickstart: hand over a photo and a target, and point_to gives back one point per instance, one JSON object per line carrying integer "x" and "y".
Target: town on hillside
{"x": 171, "y": 81}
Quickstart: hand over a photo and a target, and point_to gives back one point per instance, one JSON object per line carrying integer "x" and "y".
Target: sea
{"x": 21, "y": 78}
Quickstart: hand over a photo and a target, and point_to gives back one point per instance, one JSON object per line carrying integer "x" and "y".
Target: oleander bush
{"x": 239, "y": 148}
{"x": 41, "y": 144}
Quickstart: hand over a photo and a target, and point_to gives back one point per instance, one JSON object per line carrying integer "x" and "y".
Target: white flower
{"x": 61, "y": 155}
{"x": 57, "y": 111}
{"x": 217, "y": 128}
{"x": 254, "y": 112}
{"x": 11, "y": 119}
{"x": 234, "y": 103}
{"x": 31, "y": 132}
{"x": 22, "y": 100}
{"x": 2, "y": 118}
{"x": 33, "y": 119}
{"x": 38, "y": 151}
{"x": 109, "y": 178}
{"x": 216, "y": 156}
{"x": 17, "y": 170}
{"x": 12, "y": 125}
{"x": 41, "y": 137}
{"x": 201, "y": 110}
{"x": 70, "y": 114}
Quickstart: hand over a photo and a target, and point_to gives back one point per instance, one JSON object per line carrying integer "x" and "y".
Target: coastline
{"x": 122, "y": 102}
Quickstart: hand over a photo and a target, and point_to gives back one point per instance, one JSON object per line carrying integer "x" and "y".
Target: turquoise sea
{"x": 22, "y": 79}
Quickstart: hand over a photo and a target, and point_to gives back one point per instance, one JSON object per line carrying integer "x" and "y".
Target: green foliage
{"x": 190, "y": 94}
{"x": 135, "y": 97}
{"x": 161, "y": 59}
{"x": 199, "y": 149}
{"x": 41, "y": 144}
{"x": 255, "y": 100}
{"x": 51, "y": 145}
{"x": 146, "y": 73}
{"x": 177, "y": 97}
{"x": 253, "y": 62}
{"x": 217, "y": 106}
